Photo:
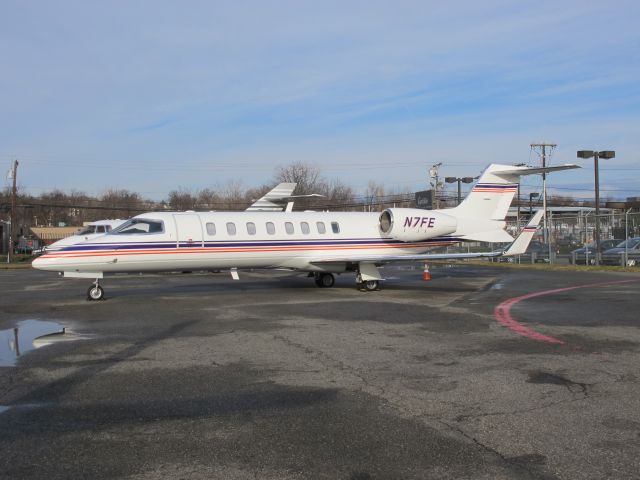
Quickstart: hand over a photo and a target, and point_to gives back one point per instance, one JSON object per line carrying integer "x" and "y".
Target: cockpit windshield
{"x": 88, "y": 230}
{"x": 139, "y": 225}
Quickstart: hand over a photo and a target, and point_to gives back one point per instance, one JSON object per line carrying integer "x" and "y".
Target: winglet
{"x": 520, "y": 244}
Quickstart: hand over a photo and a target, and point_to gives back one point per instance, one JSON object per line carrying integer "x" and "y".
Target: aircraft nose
{"x": 37, "y": 263}
{"x": 44, "y": 263}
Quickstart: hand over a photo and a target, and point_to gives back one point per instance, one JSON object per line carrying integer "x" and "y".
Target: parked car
{"x": 615, "y": 256}
{"x": 587, "y": 255}
{"x": 567, "y": 243}
{"x": 537, "y": 252}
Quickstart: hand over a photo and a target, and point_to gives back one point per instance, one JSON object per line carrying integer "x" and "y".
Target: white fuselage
{"x": 218, "y": 240}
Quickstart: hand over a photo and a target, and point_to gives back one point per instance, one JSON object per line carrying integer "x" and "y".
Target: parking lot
{"x": 483, "y": 372}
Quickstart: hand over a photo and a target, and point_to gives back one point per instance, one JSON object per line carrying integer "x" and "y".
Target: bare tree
{"x": 182, "y": 199}
{"x": 121, "y": 204}
{"x": 232, "y": 196}
{"x": 208, "y": 199}
{"x": 306, "y": 176}
{"x": 373, "y": 195}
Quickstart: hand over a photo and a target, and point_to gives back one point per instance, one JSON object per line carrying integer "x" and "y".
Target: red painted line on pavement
{"x": 503, "y": 311}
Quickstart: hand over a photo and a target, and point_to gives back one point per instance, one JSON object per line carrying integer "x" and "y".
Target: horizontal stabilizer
{"x": 536, "y": 170}
{"x": 491, "y": 197}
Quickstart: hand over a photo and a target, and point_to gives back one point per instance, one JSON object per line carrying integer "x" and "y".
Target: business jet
{"x": 272, "y": 201}
{"x": 321, "y": 243}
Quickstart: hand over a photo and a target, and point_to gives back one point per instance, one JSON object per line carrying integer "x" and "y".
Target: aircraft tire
{"x": 371, "y": 285}
{"x": 325, "y": 280}
{"x": 95, "y": 292}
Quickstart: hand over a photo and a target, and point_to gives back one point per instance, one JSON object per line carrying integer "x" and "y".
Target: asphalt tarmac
{"x": 481, "y": 373}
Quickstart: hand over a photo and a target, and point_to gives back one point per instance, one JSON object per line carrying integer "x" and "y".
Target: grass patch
{"x": 19, "y": 261}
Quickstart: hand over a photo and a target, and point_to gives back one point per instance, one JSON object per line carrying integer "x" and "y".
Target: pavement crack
{"x": 491, "y": 450}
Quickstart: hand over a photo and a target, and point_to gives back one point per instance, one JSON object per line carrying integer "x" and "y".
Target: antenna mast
{"x": 14, "y": 172}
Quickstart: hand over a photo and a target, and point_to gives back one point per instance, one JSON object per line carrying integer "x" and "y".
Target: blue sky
{"x": 153, "y": 96}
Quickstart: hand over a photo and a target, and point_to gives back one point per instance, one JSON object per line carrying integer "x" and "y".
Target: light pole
{"x": 606, "y": 154}
{"x": 531, "y": 197}
{"x": 459, "y": 180}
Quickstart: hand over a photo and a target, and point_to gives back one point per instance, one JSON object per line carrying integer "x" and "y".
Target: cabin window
{"x": 335, "y": 227}
{"x": 288, "y": 227}
{"x": 107, "y": 228}
{"x": 100, "y": 229}
{"x": 304, "y": 226}
{"x": 271, "y": 228}
{"x": 211, "y": 229}
{"x": 231, "y": 228}
{"x": 251, "y": 228}
{"x": 321, "y": 227}
{"x": 139, "y": 225}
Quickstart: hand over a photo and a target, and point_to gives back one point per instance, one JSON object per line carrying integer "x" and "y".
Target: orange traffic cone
{"x": 426, "y": 276}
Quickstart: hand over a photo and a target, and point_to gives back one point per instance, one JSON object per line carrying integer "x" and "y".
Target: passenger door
{"x": 189, "y": 230}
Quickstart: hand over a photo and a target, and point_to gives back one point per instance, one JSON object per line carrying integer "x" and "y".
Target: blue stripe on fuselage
{"x": 249, "y": 244}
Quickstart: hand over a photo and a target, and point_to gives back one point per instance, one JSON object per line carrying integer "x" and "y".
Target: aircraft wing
{"x": 520, "y": 244}
{"x": 380, "y": 259}
{"x": 518, "y": 247}
{"x": 269, "y": 202}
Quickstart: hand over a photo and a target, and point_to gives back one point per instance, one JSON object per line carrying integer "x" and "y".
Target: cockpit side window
{"x": 139, "y": 225}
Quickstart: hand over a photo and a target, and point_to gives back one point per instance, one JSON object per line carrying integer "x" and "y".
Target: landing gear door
{"x": 189, "y": 230}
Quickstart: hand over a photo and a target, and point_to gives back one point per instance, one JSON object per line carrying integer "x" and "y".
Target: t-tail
{"x": 481, "y": 215}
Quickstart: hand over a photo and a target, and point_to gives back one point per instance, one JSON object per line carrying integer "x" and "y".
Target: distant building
{"x": 48, "y": 235}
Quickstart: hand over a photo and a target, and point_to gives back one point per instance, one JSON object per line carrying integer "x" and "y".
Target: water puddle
{"x": 21, "y": 339}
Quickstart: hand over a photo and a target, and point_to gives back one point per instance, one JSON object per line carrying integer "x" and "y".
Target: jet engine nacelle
{"x": 413, "y": 225}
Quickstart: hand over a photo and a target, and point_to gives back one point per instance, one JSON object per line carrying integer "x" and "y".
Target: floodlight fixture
{"x": 459, "y": 180}
{"x": 586, "y": 153}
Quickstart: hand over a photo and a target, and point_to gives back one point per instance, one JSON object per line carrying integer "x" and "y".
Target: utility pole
{"x": 543, "y": 155}
{"x": 14, "y": 172}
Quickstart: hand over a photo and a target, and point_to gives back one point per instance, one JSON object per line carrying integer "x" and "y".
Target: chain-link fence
{"x": 571, "y": 240}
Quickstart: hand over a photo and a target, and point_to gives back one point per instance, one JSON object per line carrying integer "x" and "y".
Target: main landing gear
{"x": 367, "y": 278}
{"x": 95, "y": 291}
{"x": 367, "y": 285}
{"x": 324, "y": 280}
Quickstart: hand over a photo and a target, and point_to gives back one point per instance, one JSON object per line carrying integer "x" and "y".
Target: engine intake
{"x": 413, "y": 224}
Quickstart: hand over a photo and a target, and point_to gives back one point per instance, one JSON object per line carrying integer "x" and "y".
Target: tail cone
{"x": 426, "y": 276}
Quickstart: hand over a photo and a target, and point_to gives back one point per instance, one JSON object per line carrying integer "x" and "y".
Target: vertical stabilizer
{"x": 491, "y": 197}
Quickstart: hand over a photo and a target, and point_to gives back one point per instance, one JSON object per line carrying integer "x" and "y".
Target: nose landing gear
{"x": 95, "y": 292}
